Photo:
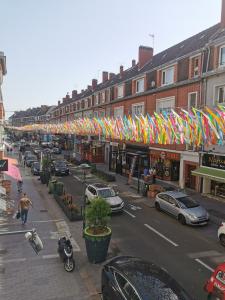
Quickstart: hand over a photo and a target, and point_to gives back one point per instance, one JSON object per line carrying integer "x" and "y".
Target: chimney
{"x": 89, "y": 87}
{"x": 104, "y": 76}
{"x": 64, "y": 100}
{"x": 144, "y": 55}
{"x": 74, "y": 94}
{"x": 222, "y": 21}
{"x": 121, "y": 71}
{"x": 111, "y": 75}
{"x": 82, "y": 91}
{"x": 94, "y": 84}
{"x": 133, "y": 63}
{"x": 58, "y": 102}
{"x": 67, "y": 96}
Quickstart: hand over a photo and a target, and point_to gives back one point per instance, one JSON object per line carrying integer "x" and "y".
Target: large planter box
{"x": 72, "y": 216}
{"x": 97, "y": 246}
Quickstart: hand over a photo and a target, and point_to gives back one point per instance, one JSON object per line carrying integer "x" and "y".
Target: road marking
{"x": 14, "y": 260}
{"x": 205, "y": 265}
{"x": 134, "y": 207}
{"x": 127, "y": 212}
{"x": 19, "y": 223}
{"x": 77, "y": 178}
{"x": 47, "y": 256}
{"x": 204, "y": 254}
{"x": 161, "y": 235}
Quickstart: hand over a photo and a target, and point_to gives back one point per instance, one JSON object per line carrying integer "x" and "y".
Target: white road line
{"x": 161, "y": 235}
{"x": 13, "y": 260}
{"x": 77, "y": 178}
{"x": 205, "y": 265}
{"x": 19, "y": 223}
{"x": 47, "y": 256}
{"x": 127, "y": 212}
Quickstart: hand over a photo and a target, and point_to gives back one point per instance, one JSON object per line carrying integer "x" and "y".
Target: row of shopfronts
{"x": 200, "y": 171}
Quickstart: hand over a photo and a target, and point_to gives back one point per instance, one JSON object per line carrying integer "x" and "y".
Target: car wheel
{"x": 157, "y": 206}
{"x": 222, "y": 239}
{"x": 182, "y": 219}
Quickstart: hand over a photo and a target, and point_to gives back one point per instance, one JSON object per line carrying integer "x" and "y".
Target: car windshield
{"x": 188, "y": 202}
{"x": 60, "y": 164}
{"x": 32, "y": 157}
{"x": 36, "y": 164}
{"x": 106, "y": 193}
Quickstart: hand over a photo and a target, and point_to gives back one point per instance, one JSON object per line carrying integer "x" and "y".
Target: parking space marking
{"x": 161, "y": 235}
{"x": 204, "y": 265}
{"x": 76, "y": 177}
{"x": 204, "y": 254}
{"x": 127, "y": 212}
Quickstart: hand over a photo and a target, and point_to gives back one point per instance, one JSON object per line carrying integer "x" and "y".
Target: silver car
{"x": 180, "y": 205}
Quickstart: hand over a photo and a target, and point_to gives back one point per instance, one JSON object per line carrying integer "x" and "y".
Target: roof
{"x": 148, "y": 279}
{"x": 100, "y": 185}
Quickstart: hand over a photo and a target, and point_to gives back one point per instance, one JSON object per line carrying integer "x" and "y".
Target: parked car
{"x": 30, "y": 159}
{"x": 59, "y": 167}
{"x": 126, "y": 277}
{"x": 215, "y": 285}
{"x": 56, "y": 150}
{"x": 102, "y": 190}
{"x": 221, "y": 233}
{"x": 183, "y": 207}
{"x": 35, "y": 168}
{"x": 27, "y": 154}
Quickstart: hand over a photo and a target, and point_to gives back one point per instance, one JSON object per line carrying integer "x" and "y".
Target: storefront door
{"x": 175, "y": 170}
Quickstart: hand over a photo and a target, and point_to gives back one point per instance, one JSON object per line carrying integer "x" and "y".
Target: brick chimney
{"x": 222, "y": 21}
{"x": 104, "y": 76}
{"x": 121, "y": 71}
{"x": 58, "y": 102}
{"x": 133, "y": 63}
{"x": 67, "y": 96}
{"x": 111, "y": 75}
{"x": 144, "y": 55}
{"x": 89, "y": 87}
{"x": 74, "y": 94}
{"x": 94, "y": 84}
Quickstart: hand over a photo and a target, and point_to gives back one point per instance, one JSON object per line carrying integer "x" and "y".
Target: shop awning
{"x": 210, "y": 173}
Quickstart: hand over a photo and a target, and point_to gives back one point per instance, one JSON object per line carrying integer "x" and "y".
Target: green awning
{"x": 210, "y": 173}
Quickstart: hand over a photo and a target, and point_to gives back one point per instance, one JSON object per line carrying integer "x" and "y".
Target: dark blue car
{"x": 132, "y": 278}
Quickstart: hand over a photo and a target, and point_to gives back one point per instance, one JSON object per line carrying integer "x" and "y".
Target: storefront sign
{"x": 213, "y": 161}
{"x": 165, "y": 155}
{"x": 3, "y": 164}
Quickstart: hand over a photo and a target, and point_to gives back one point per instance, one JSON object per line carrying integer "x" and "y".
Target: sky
{"x": 55, "y": 46}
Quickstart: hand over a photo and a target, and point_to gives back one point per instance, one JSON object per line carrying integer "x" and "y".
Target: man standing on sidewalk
{"x": 23, "y": 207}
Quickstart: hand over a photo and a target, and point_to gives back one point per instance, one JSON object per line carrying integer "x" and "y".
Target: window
{"x": 222, "y": 56}
{"x": 118, "y": 112}
{"x": 138, "y": 109}
{"x": 168, "y": 76}
{"x": 103, "y": 97}
{"x": 101, "y": 113}
{"x": 192, "y": 100}
{"x": 95, "y": 114}
{"x": 140, "y": 85}
{"x": 120, "y": 91}
{"x": 196, "y": 69}
{"x": 96, "y": 100}
{"x": 220, "y": 94}
{"x": 165, "y": 104}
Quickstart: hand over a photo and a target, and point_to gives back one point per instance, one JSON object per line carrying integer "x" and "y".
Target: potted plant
{"x": 97, "y": 234}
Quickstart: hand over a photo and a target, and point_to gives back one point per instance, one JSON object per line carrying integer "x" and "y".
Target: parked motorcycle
{"x": 65, "y": 250}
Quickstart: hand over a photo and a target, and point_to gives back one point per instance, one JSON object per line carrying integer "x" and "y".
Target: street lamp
{"x": 85, "y": 168}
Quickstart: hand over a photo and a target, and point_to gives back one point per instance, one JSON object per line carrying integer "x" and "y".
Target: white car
{"x": 221, "y": 234}
{"x": 101, "y": 190}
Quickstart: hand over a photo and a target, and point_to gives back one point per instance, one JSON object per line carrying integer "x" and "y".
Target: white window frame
{"x": 164, "y": 100}
{"x": 103, "y": 96}
{"x": 86, "y": 103}
{"x": 164, "y": 71}
{"x": 221, "y": 65}
{"x": 216, "y": 94}
{"x": 189, "y": 99}
{"x": 120, "y": 91}
{"x": 135, "y": 105}
{"x": 118, "y": 111}
{"x": 138, "y": 84}
{"x": 96, "y": 99}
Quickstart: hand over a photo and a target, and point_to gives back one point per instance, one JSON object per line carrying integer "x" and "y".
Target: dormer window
{"x": 222, "y": 56}
{"x": 168, "y": 76}
{"x": 120, "y": 91}
{"x": 140, "y": 87}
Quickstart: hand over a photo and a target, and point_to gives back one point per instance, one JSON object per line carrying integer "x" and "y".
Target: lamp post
{"x": 85, "y": 168}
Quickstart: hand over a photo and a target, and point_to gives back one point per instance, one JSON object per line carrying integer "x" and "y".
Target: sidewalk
{"x": 215, "y": 207}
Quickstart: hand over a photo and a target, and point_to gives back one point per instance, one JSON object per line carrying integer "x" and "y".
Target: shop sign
{"x": 213, "y": 161}
{"x": 163, "y": 155}
{"x": 3, "y": 164}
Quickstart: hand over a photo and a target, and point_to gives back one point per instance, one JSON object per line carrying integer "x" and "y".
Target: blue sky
{"x": 55, "y": 46}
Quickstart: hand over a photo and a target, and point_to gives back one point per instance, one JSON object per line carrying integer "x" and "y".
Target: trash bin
{"x": 59, "y": 188}
{"x": 144, "y": 190}
{"x": 52, "y": 186}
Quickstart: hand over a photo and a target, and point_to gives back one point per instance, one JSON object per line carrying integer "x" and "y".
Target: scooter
{"x": 65, "y": 250}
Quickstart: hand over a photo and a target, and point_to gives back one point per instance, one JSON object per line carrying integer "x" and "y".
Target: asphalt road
{"x": 189, "y": 254}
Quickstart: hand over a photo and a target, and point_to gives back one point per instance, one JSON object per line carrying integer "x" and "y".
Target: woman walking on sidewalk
{"x": 23, "y": 207}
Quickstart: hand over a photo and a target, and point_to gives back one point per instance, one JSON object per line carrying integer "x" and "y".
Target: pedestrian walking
{"x": 23, "y": 207}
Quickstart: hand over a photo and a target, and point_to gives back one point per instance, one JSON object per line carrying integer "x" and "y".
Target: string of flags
{"x": 194, "y": 127}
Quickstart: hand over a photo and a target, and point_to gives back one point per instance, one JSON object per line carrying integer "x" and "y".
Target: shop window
{"x": 118, "y": 112}
{"x": 138, "y": 109}
{"x": 165, "y": 104}
{"x": 192, "y": 100}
